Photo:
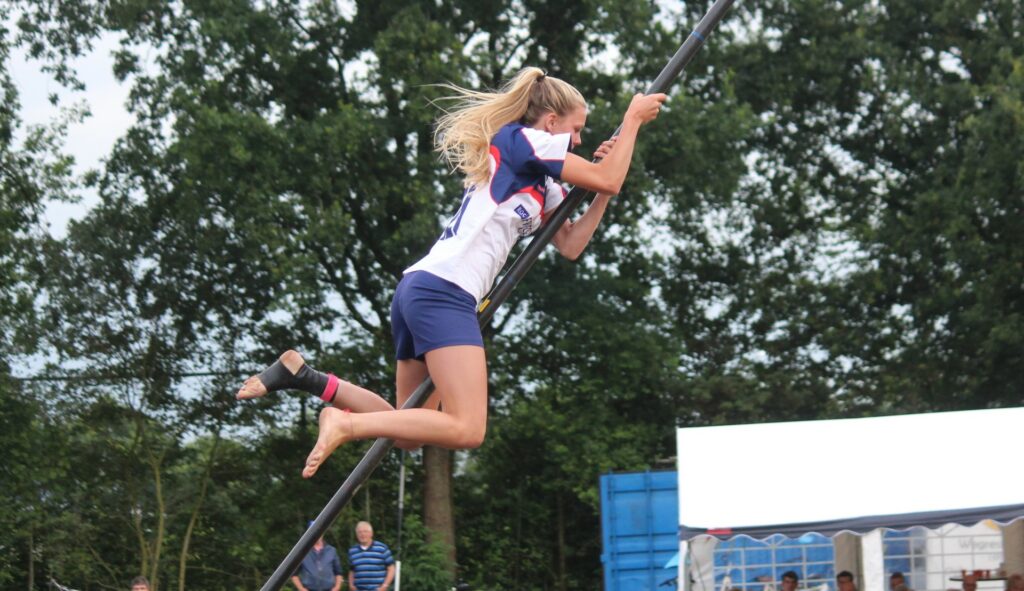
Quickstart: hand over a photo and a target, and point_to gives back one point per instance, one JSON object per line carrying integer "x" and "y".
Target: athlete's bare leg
{"x": 460, "y": 373}
{"x": 409, "y": 374}
{"x": 359, "y": 399}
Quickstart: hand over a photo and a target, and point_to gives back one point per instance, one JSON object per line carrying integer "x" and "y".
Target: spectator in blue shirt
{"x": 320, "y": 569}
{"x": 372, "y": 567}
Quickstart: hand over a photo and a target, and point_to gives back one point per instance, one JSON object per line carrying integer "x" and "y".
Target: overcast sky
{"x": 88, "y": 141}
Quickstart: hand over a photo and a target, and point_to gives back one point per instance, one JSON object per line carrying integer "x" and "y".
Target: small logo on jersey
{"x": 522, "y": 212}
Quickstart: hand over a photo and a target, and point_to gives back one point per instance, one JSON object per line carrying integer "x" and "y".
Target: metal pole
{"x": 401, "y": 514}
{"x": 498, "y": 295}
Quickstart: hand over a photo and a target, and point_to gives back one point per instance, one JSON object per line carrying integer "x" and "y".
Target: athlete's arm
{"x": 573, "y": 237}
{"x": 608, "y": 175}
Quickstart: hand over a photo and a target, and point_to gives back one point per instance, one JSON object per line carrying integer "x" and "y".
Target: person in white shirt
{"x": 513, "y": 146}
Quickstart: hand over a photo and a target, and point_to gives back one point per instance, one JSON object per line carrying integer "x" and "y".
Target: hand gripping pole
{"x": 498, "y": 295}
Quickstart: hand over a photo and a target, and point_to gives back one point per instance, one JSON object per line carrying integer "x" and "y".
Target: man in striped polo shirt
{"x": 371, "y": 566}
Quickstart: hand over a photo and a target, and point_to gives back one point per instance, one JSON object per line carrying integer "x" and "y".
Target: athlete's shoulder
{"x": 542, "y": 145}
{"x": 507, "y": 136}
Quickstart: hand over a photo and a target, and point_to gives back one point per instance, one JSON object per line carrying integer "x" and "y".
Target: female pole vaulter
{"x": 512, "y": 146}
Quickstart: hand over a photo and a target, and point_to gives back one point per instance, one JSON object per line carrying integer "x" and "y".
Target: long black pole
{"x": 498, "y": 295}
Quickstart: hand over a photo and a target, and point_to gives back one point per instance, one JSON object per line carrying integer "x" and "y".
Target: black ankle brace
{"x": 277, "y": 377}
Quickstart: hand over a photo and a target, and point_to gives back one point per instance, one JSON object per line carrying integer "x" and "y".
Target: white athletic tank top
{"x": 521, "y": 190}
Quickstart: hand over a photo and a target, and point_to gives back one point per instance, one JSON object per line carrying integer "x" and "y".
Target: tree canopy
{"x": 824, "y": 222}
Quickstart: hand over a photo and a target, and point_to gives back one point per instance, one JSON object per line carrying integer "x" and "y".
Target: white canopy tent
{"x": 891, "y": 472}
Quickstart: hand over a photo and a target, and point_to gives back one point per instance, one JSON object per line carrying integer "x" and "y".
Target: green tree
{"x": 34, "y": 171}
{"x": 822, "y": 223}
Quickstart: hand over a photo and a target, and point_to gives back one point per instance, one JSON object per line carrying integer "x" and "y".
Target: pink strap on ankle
{"x": 330, "y": 389}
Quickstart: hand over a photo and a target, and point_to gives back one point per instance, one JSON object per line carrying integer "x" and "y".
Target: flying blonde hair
{"x": 463, "y": 134}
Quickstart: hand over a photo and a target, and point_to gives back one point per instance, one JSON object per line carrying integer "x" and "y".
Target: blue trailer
{"x": 639, "y": 530}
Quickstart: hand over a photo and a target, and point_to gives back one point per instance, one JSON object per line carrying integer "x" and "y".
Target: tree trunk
{"x": 136, "y": 506}
{"x": 437, "y": 500}
{"x": 156, "y": 465}
{"x": 562, "y": 574}
{"x": 183, "y": 558}
{"x": 31, "y": 561}
{"x": 518, "y": 545}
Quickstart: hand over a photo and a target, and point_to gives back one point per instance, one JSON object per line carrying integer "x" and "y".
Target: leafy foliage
{"x": 824, "y": 222}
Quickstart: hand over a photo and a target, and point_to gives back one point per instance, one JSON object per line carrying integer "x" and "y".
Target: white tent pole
{"x": 873, "y": 561}
{"x": 1013, "y": 548}
{"x": 847, "y": 549}
{"x": 681, "y": 574}
{"x": 702, "y": 562}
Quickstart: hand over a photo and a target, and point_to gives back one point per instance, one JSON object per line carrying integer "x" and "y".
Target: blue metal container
{"x": 639, "y": 530}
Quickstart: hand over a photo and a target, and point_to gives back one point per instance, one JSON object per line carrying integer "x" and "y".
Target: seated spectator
{"x": 844, "y": 581}
{"x": 896, "y": 581}
{"x": 790, "y": 580}
{"x": 1015, "y": 583}
{"x": 970, "y": 582}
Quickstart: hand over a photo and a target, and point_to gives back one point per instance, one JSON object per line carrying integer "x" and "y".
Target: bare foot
{"x": 254, "y": 388}
{"x": 335, "y": 430}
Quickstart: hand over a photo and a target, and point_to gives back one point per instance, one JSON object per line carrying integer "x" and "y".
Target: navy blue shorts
{"x": 428, "y": 313}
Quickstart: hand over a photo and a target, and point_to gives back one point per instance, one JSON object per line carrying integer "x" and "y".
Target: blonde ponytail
{"x": 463, "y": 134}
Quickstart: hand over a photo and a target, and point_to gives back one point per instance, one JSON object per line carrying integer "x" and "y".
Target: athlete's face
{"x": 572, "y": 122}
